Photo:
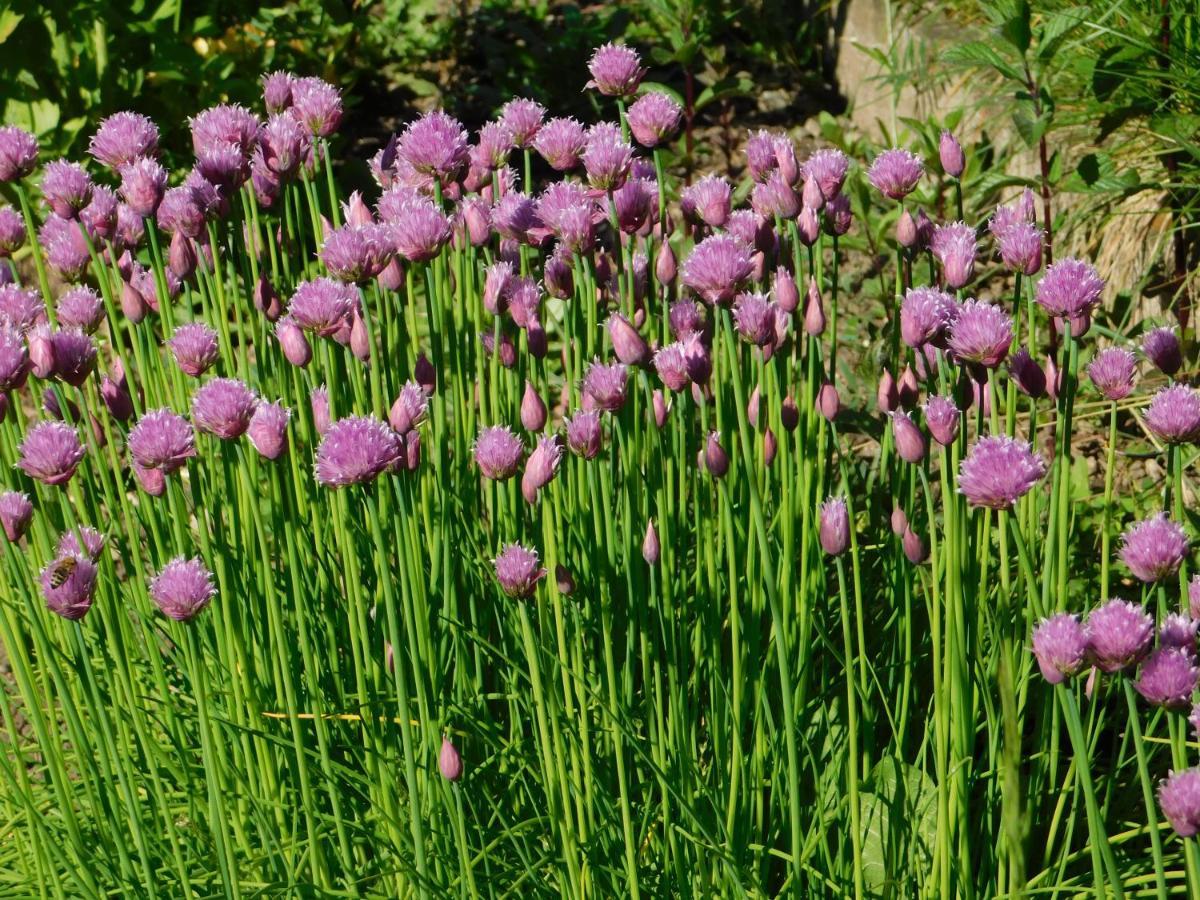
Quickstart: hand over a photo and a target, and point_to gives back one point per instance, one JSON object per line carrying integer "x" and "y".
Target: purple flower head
{"x": 754, "y": 316}
{"x": 18, "y": 153}
{"x": 80, "y": 307}
{"x": 317, "y": 104}
{"x": 981, "y": 334}
{"x": 1026, "y": 374}
{"x": 283, "y": 144}
{"x": 50, "y": 453}
{"x": 130, "y": 228}
{"x": 420, "y": 230}
{"x": 74, "y": 356}
{"x": 1168, "y": 678}
{"x": 1161, "y": 347}
{"x": 99, "y": 217}
{"x": 925, "y": 313}
{"x": 66, "y": 187}
{"x": 12, "y": 231}
{"x": 435, "y": 145}
{"x": 161, "y": 440}
{"x": 635, "y": 203}
{"x": 323, "y": 306}
{"x": 522, "y": 119}
{"x": 1021, "y": 247}
{"x": 1070, "y": 288}
{"x": 584, "y": 433}
{"x": 514, "y": 216}
{"x": 834, "y": 530}
{"x": 224, "y": 166}
{"x": 561, "y": 143}
{"x": 616, "y": 70}
{"x": 410, "y": 408}
{"x": 1060, "y": 645}
{"x": 1112, "y": 372}
{"x": 954, "y": 247}
{"x": 541, "y": 467}
{"x": 774, "y": 197}
{"x": 122, "y": 138}
{"x": 1154, "y": 548}
{"x": 686, "y": 318}
{"x": 998, "y": 471}
{"x": 356, "y": 450}
{"x": 14, "y": 359}
{"x": 707, "y": 201}
{"x": 607, "y": 157}
{"x": 1178, "y": 632}
{"x": 195, "y": 348}
{"x": 92, "y": 546}
{"x": 498, "y": 452}
{"x": 518, "y": 570}
{"x": 223, "y": 407}
{"x": 353, "y": 253}
{"x": 828, "y": 169}
{"x": 69, "y": 586}
{"x": 1119, "y": 635}
{"x": 492, "y": 147}
{"x": 268, "y": 429}
{"x": 277, "y": 91}
{"x": 717, "y": 267}
{"x": 16, "y": 512}
{"x": 65, "y": 247}
{"x": 760, "y": 154}
{"x": 224, "y": 124}
{"x": 653, "y": 118}
{"x": 895, "y": 173}
{"x": 182, "y": 589}
{"x": 605, "y": 385}
{"x": 671, "y": 364}
{"x": 1173, "y": 415}
{"x": 1179, "y": 799}
{"x": 20, "y": 309}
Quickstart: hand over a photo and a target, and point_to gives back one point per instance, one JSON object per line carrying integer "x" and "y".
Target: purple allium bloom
{"x": 653, "y": 118}
{"x": 1168, "y": 678}
{"x": 353, "y": 253}
{"x": 66, "y": 188}
{"x": 182, "y": 589}
{"x": 93, "y": 542}
{"x": 1059, "y": 645}
{"x": 1178, "y": 632}
{"x": 318, "y": 104}
{"x": 910, "y": 442}
{"x": 356, "y": 450}
{"x": 557, "y": 199}
{"x": 634, "y": 203}
{"x": 541, "y": 466}
{"x": 223, "y": 407}
{"x": 180, "y": 211}
{"x": 514, "y": 216}
{"x": 835, "y": 526}
{"x": 14, "y": 359}
{"x": 122, "y": 138}
{"x": 80, "y": 307}
{"x": 584, "y": 433}
{"x": 895, "y": 173}
{"x": 754, "y": 316}
{"x": 497, "y": 287}
{"x": 686, "y": 318}
{"x": 828, "y": 169}
{"x": 518, "y": 570}
{"x": 74, "y": 356}
{"x": 450, "y": 763}
{"x": 1161, "y": 347}
{"x": 498, "y": 452}
{"x": 420, "y": 230}
{"x": 12, "y": 231}
{"x": 616, "y": 70}
{"x": 18, "y": 153}
{"x": 760, "y": 154}
{"x": 607, "y": 157}
{"x": 981, "y": 334}
{"x": 318, "y": 402}
{"x": 708, "y": 201}
{"x": 322, "y": 306}
{"x": 697, "y": 358}
{"x": 774, "y": 197}
{"x": 195, "y": 348}
{"x": 50, "y": 453}
{"x": 1070, "y": 288}
{"x": 20, "y": 309}
{"x": 1119, "y": 634}
{"x": 224, "y": 124}
{"x": 628, "y": 346}
{"x": 1179, "y": 799}
{"x": 998, "y": 471}
{"x": 954, "y": 247}
{"x": 671, "y": 364}
{"x": 1021, "y": 247}
{"x": 410, "y": 408}
{"x": 161, "y": 440}
{"x": 16, "y": 512}
{"x": 99, "y": 217}
{"x": 69, "y": 586}
{"x": 1112, "y": 372}
{"x": 130, "y": 228}
{"x": 283, "y": 144}
{"x": 561, "y": 143}
{"x": 605, "y": 384}
{"x": 435, "y": 145}
{"x": 1154, "y": 548}
{"x": 523, "y": 119}
{"x": 277, "y": 91}
{"x": 65, "y": 247}
{"x": 492, "y": 147}
{"x": 1173, "y": 415}
{"x": 925, "y": 313}
{"x": 268, "y": 429}
{"x": 717, "y": 267}
{"x": 1026, "y": 374}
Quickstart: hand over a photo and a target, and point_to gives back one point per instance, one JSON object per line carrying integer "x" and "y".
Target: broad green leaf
{"x": 1016, "y": 28}
{"x": 9, "y": 21}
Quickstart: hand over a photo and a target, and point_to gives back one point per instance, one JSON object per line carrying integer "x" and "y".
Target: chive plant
{"x": 505, "y": 534}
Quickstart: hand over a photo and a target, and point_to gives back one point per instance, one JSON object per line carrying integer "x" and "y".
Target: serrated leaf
{"x": 1016, "y": 28}
{"x": 978, "y": 53}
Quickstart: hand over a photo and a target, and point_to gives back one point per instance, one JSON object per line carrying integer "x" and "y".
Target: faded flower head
{"x": 1070, "y": 288}
{"x": 182, "y": 589}
{"x": 1119, "y": 634}
{"x": 1060, "y": 645}
{"x": 998, "y": 471}
{"x": 1112, "y": 371}
{"x": 50, "y": 453}
{"x": 1154, "y": 548}
{"x": 356, "y": 450}
{"x": 518, "y": 570}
